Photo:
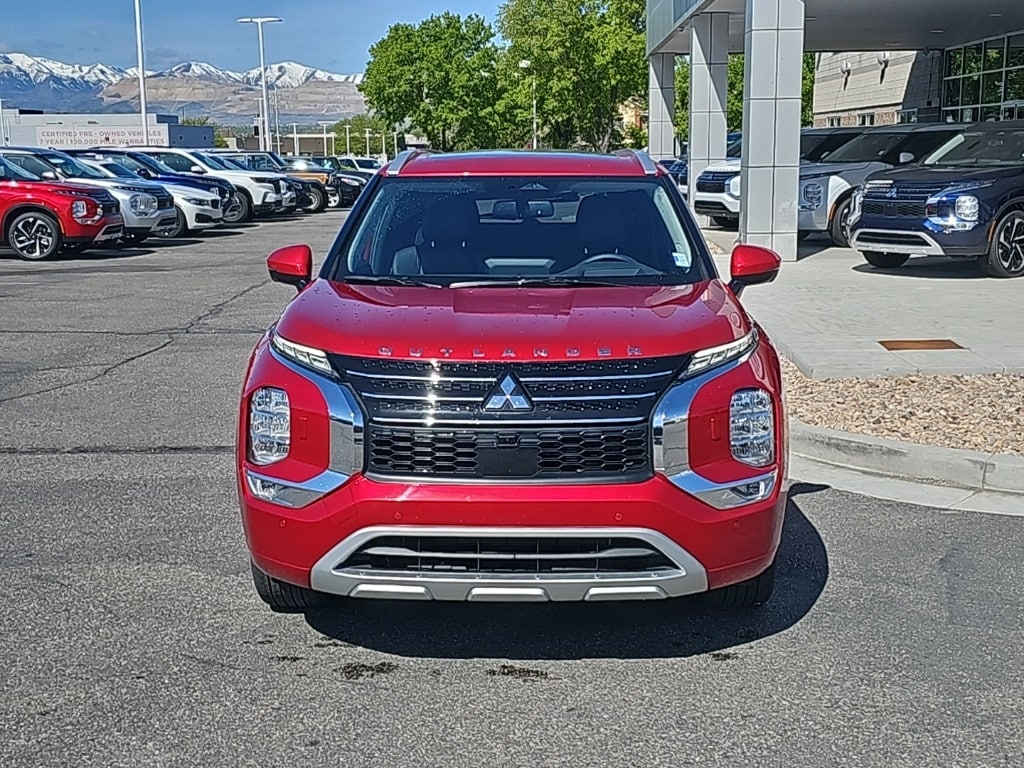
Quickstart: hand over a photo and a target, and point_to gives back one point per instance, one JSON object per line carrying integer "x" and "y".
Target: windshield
{"x": 118, "y": 170}
{"x": 12, "y": 172}
{"x": 981, "y": 148}
{"x": 521, "y": 230}
{"x": 735, "y": 149}
{"x": 213, "y": 161}
{"x": 149, "y": 163}
{"x": 232, "y": 164}
{"x": 867, "y": 148}
{"x": 368, "y": 163}
{"x": 72, "y": 167}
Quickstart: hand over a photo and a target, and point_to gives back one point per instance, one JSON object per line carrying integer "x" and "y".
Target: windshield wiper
{"x": 389, "y": 280}
{"x": 527, "y": 282}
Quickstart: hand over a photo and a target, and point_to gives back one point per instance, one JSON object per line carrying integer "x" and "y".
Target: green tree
{"x": 220, "y": 134}
{"x": 734, "y": 103}
{"x": 588, "y": 58}
{"x": 357, "y": 126}
{"x": 438, "y": 77}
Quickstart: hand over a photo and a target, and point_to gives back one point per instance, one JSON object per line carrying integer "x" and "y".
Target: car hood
{"x": 513, "y": 323}
{"x": 813, "y": 170}
{"x": 186, "y": 190}
{"x": 958, "y": 175}
{"x": 60, "y": 186}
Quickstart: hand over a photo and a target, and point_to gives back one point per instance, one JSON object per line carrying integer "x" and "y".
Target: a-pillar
{"x": 661, "y": 129}
{"x": 709, "y": 90}
{"x": 772, "y": 86}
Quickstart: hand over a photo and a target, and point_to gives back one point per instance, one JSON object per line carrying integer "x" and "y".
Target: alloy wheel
{"x": 1010, "y": 245}
{"x": 33, "y": 237}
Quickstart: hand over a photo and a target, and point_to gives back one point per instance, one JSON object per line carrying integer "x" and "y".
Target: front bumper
{"x": 917, "y": 238}
{"x": 107, "y": 230}
{"x": 813, "y": 219}
{"x": 720, "y": 204}
{"x": 706, "y": 536}
{"x": 200, "y": 216}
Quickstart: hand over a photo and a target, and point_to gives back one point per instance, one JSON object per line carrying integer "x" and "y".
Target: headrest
{"x": 451, "y": 221}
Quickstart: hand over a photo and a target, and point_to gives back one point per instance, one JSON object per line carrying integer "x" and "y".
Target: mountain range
{"x": 297, "y": 93}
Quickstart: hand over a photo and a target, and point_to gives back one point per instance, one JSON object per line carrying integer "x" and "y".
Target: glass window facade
{"x": 985, "y": 80}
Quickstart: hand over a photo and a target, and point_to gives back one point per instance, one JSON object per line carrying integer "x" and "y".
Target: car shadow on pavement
{"x": 930, "y": 266}
{"x": 551, "y": 631}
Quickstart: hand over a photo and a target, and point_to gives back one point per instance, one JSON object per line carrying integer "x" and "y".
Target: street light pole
{"x": 524, "y": 65}
{"x": 348, "y": 139}
{"x": 367, "y": 142}
{"x": 259, "y": 21}
{"x": 142, "y": 72}
{"x": 324, "y": 124}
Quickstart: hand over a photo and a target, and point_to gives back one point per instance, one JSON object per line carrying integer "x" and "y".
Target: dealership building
{"x": 944, "y": 60}
{"x": 34, "y": 128}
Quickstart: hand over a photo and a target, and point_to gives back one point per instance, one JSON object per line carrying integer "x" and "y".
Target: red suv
{"x": 517, "y": 377}
{"x": 39, "y": 218}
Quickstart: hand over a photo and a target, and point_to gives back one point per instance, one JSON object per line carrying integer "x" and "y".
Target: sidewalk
{"x": 829, "y": 311}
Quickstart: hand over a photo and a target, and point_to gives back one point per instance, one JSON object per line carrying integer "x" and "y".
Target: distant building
{"x": 23, "y": 127}
{"x": 983, "y": 80}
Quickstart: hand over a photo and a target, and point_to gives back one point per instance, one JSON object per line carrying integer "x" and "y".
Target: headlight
{"x": 197, "y": 201}
{"x": 263, "y": 179}
{"x": 269, "y": 426}
{"x": 349, "y": 182}
{"x": 967, "y": 208}
{"x": 813, "y": 195}
{"x": 716, "y": 356}
{"x": 734, "y": 185}
{"x": 142, "y": 204}
{"x": 305, "y": 356}
{"x": 79, "y": 209}
{"x": 752, "y": 427}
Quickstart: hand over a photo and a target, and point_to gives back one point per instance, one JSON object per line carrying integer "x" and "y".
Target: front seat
{"x": 450, "y": 232}
{"x": 601, "y": 224}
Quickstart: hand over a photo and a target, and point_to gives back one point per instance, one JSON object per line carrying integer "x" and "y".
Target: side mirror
{"x": 197, "y": 169}
{"x": 752, "y": 265}
{"x": 906, "y": 157}
{"x": 291, "y": 265}
{"x": 50, "y": 175}
{"x": 144, "y": 173}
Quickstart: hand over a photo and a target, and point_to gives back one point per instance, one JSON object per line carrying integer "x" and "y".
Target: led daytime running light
{"x": 713, "y": 357}
{"x": 306, "y": 356}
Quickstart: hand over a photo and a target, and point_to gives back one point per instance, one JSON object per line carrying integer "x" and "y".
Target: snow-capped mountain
{"x": 189, "y": 88}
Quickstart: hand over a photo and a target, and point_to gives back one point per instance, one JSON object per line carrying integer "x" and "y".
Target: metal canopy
{"x": 872, "y": 25}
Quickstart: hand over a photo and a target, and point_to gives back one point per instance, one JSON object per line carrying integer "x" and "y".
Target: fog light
{"x": 752, "y": 427}
{"x": 269, "y": 426}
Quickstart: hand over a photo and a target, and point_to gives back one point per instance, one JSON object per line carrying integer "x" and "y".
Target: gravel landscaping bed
{"x": 979, "y": 413}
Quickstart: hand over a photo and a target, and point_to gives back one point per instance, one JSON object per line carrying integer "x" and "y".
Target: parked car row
{"x": 893, "y": 192}
{"x": 53, "y": 201}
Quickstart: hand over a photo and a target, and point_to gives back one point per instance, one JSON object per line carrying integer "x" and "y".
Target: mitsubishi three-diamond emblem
{"x": 508, "y": 395}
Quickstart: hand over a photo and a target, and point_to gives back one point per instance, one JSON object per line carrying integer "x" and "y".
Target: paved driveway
{"x": 829, "y": 311}
{"x": 131, "y": 634}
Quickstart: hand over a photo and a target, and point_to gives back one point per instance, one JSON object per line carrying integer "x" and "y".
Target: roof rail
{"x": 649, "y": 166}
{"x": 395, "y": 166}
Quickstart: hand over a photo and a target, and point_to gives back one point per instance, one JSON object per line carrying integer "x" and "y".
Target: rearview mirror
{"x": 906, "y": 157}
{"x": 752, "y": 265}
{"x": 291, "y": 265}
{"x": 197, "y": 169}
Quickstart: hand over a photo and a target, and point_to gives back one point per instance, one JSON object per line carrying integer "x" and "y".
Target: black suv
{"x": 966, "y": 199}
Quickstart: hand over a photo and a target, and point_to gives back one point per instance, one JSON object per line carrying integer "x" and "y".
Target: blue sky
{"x": 329, "y": 34}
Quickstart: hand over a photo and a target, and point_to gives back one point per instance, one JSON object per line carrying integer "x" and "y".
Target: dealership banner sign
{"x": 72, "y": 136}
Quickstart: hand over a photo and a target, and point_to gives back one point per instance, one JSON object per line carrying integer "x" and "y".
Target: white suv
{"x": 259, "y": 192}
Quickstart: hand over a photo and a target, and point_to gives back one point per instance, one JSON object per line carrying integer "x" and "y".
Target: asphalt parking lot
{"x": 132, "y": 635}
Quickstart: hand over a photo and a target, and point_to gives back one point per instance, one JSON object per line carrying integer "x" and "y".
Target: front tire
{"x": 34, "y": 236}
{"x": 1005, "y": 256}
{"x": 283, "y": 597}
{"x": 317, "y": 200}
{"x": 838, "y": 228}
{"x": 178, "y": 229}
{"x": 746, "y": 594}
{"x": 881, "y": 260}
{"x": 241, "y": 212}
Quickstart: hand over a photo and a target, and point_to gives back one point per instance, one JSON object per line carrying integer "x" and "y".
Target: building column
{"x": 661, "y": 129}
{"x": 709, "y": 90}
{"x": 772, "y": 86}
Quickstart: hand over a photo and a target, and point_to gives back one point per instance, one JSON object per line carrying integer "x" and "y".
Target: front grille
{"x": 904, "y": 192}
{"x": 539, "y": 555}
{"x": 900, "y": 210}
{"x": 111, "y": 207}
{"x": 583, "y": 421}
{"x": 520, "y": 454}
{"x": 215, "y": 204}
{"x": 714, "y": 181}
{"x": 890, "y": 238}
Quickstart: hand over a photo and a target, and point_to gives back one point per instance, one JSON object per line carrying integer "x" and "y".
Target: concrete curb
{"x": 969, "y": 470}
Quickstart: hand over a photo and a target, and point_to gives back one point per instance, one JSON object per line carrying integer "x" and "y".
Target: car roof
{"x": 520, "y": 163}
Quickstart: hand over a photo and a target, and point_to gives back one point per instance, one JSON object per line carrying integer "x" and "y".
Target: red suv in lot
{"x": 39, "y": 218}
{"x": 517, "y": 377}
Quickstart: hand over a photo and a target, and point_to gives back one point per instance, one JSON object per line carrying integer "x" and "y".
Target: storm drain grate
{"x": 902, "y": 345}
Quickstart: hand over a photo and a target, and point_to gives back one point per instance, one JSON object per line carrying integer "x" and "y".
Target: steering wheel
{"x": 610, "y": 258}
